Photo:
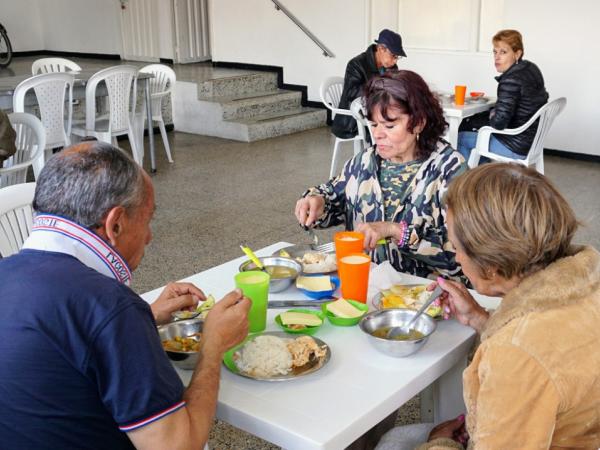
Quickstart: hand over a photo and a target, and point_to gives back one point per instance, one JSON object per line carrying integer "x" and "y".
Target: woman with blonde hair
{"x": 521, "y": 92}
{"x": 534, "y": 381}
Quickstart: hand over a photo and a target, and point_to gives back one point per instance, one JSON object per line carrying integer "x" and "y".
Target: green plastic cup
{"x": 255, "y": 285}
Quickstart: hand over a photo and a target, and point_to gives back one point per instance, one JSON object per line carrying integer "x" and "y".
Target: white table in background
{"x": 358, "y": 388}
{"x": 454, "y": 115}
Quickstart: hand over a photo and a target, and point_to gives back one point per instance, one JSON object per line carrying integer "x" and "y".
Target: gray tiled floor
{"x": 218, "y": 193}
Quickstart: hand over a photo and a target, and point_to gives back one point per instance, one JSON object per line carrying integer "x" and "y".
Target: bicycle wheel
{"x": 5, "y": 48}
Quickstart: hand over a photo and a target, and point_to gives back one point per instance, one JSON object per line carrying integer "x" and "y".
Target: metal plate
{"x": 307, "y": 369}
{"x": 298, "y": 251}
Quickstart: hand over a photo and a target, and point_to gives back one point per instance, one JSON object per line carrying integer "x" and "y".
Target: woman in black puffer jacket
{"x": 521, "y": 93}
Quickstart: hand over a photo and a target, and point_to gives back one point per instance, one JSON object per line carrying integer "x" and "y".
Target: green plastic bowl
{"x": 307, "y": 330}
{"x": 343, "y": 321}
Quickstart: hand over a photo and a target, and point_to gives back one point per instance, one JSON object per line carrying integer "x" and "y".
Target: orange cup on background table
{"x": 353, "y": 270}
{"x": 347, "y": 242}
{"x": 459, "y": 94}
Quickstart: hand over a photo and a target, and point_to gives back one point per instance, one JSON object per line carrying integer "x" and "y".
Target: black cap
{"x": 392, "y": 41}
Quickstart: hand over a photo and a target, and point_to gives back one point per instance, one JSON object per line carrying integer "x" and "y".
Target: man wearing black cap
{"x": 374, "y": 61}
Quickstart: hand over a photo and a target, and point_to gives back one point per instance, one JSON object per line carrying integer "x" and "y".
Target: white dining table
{"x": 454, "y": 115}
{"x": 354, "y": 391}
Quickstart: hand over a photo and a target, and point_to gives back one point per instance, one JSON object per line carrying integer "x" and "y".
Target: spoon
{"x": 405, "y": 329}
{"x": 250, "y": 254}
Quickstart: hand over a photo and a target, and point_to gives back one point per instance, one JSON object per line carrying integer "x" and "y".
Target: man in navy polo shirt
{"x": 82, "y": 365}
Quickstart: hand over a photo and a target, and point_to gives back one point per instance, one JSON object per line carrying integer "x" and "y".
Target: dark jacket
{"x": 358, "y": 71}
{"x": 521, "y": 93}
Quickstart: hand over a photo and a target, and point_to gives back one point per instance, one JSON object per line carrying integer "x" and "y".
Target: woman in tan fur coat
{"x": 534, "y": 382}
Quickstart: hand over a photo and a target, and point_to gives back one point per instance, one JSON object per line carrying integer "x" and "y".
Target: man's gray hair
{"x": 83, "y": 182}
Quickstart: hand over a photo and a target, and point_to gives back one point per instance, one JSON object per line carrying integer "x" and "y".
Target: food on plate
{"x": 315, "y": 262}
{"x": 201, "y": 310}
{"x": 477, "y": 94}
{"x": 299, "y": 320}
{"x": 268, "y": 356}
{"x": 412, "y": 297}
{"x": 342, "y": 308}
{"x": 183, "y": 344}
{"x": 413, "y": 335}
{"x": 304, "y": 349}
{"x": 315, "y": 284}
{"x": 284, "y": 254}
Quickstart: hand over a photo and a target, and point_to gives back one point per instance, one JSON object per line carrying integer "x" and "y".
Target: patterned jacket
{"x": 355, "y": 196}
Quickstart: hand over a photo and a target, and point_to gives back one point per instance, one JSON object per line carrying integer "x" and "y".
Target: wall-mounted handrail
{"x": 283, "y": 9}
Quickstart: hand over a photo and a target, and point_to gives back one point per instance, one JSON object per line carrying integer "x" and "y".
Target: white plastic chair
{"x": 535, "y": 156}
{"x": 16, "y": 217}
{"x": 330, "y": 93}
{"x": 52, "y": 90}
{"x": 120, "y": 82}
{"x": 357, "y": 108}
{"x": 53, "y": 65}
{"x": 160, "y": 86}
{"x": 30, "y": 143}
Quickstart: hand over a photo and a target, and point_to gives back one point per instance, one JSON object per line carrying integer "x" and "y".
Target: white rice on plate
{"x": 265, "y": 356}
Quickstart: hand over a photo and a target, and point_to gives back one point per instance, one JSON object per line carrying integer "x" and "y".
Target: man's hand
{"x": 375, "y": 231}
{"x": 309, "y": 209}
{"x": 452, "y": 429}
{"x": 458, "y": 302}
{"x": 227, "y": 323}
{"x": 174, "y": 297}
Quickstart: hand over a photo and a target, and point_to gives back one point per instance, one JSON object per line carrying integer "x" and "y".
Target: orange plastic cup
{"x": 459, "y": 94}
{"x": 347, "y": 242}
{"x": 353, "y": 270}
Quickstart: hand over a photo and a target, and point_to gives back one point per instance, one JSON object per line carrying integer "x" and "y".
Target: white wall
{"x": 560, "y": 37}
{"x": 84, "y": 26}
{"x": 258, "y": 34}
{"x": 23, "y": 23}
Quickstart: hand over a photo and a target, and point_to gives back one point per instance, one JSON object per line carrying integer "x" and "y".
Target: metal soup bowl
{"x": 182, "y": 328}
{"x": 393, "y": 318}
{"x": 276, "y": 284}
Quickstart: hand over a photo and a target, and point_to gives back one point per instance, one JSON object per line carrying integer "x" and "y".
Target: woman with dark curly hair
{"x": 394, "y": 189}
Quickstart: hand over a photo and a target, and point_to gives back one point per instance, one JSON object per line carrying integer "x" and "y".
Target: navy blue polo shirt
{"x": 81, "y": 361}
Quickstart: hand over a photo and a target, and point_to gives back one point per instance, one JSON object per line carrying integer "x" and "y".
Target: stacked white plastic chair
{"x": 16, "y": 217}
{"x": 52, "y": 91}
{"x": 53, "y": 65}
{"x": 535, "y": 157}
{"x": 331, "y": 93}
{"x": 121, "y": 85}
{"x": 160, "y": 87}
{"x": 30, "y": 143}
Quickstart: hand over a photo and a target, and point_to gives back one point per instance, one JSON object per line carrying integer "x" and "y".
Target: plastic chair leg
{"x": 473, "y": 159}
{"x": 358, "y": 146}
{"x": 163, "y": 133}
{"x": 539, "y": 164}
{"x": 336, "y": 148}
{"x": 136, "y": 149}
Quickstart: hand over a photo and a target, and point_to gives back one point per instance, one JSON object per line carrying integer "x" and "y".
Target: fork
{"x": 322, "y": 248}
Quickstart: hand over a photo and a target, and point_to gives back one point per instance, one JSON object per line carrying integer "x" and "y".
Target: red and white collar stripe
{"x": 57, "y": 234}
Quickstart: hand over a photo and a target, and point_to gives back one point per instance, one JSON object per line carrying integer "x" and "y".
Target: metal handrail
{"x": 283, "y": 9}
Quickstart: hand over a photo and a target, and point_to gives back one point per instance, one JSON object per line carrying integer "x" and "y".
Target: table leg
{"x": 443, "y": 400}
{"x": 150, "y": 128}
{"x": 453, "y": 124}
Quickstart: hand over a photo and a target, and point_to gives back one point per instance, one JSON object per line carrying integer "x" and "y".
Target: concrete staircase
{"x": 243, "y": 107}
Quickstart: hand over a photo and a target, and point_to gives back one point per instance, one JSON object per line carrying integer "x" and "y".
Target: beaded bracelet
{"x": 404, "y": 234}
